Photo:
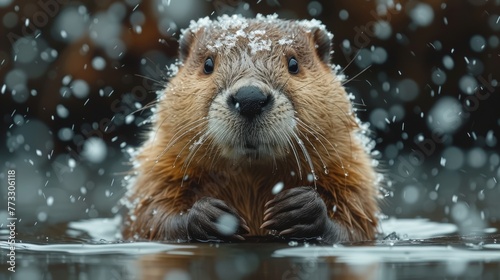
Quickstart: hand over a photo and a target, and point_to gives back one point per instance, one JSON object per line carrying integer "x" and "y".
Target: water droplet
{"x": 42, "y": 216}
{"x": 448, "y": 62}
{"x": 80, "y": 88}
{"x": 227, "y": 224}
{"x": 98, "y": 63}
{"x": 50, "y": 200}
{"x": 422, "y": 14}
{"x": 278, "y": 188}
{"x": 382, "y": 29}
{"x": 477, "y": 43}
{"x": 438, "y": 77}
{"x": 71, "y": 163}
{"x": 310, "y": 178}
{"x": 62, "y": 111}
{"x": 343, "y": 14}
{"x": 314, "y": 8}
{"x": 94, "y": 150}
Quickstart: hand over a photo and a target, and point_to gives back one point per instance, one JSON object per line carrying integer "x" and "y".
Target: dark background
{"x": 72, "y": 72}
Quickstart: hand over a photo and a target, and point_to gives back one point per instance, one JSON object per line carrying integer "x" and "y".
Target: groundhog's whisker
{"x": 193, "y": 145}
{"x": 280, "y": 89}
{"x": 150, "y": 105}
{"x": 344, "y": 118}
{"x": 160, "y": 84}
{"x": 341, "y": 162}
{"x": 185, "y": 129}
{"x": 194, "y": 148}
{"x": 287, "y": 138}
{"x": 316, "y": 150}
{"x": 163, "y": 74}
{"x": 359, "y": 104}
{"x": 350, "y": 62}
{"x": 218, "y": 135}
{"x": 156, "y": 131}
{"x": 314, "y": 133}
{"x": 221, "y": 134}
{"x": 210, "y": 152}
{"x": 357, "y": 75}
{"x": 156, "y": 134}
{"x": 306, "y": 155}
{"x": 214, "y": 151}
{"x": 334, "y": 79}
{"x": 356, "y": 105}
{"x": 311, "y": 82}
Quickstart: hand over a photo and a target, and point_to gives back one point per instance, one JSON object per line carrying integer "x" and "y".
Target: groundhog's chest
{"x": 247, "y": 192}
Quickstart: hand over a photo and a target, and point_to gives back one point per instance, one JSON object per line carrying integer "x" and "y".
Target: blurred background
{"x": 425, "y": 75}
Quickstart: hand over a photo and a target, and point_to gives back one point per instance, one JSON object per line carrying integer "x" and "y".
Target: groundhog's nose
{"x": 250, "y": 101}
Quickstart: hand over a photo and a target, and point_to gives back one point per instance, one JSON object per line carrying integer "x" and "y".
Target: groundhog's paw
{"x": 297, "y": 213}
{"x": 212, "y": 219}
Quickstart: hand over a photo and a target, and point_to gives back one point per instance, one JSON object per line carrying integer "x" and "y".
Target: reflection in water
{"x": 246, "y": 262}
{"x": 473, "y": 256}
{"x": 81, "y": 251}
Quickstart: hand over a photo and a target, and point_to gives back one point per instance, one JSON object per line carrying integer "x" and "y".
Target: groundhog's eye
{"x": 293, "y": 66}
{"x": 208, "y": 68}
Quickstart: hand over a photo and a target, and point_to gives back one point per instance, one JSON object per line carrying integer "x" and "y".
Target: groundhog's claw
{"x": 298, "y": 213}
{"x": 211, "y": 219}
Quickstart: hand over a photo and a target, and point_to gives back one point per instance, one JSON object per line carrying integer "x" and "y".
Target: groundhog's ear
{"x": 185, "y": 43}
{"x": 323, "y": 43}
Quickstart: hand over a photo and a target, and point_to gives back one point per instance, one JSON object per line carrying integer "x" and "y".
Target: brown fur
{"x": 170, "y": 178}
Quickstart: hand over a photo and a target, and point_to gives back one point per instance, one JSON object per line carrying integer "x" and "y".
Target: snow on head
{"x": 313, "y": 24}
{"x": 258, "y": 41}
{"x": 233, "y": 28}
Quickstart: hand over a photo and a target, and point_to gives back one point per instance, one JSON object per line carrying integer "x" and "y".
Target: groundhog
{"x": 255, "y": 135}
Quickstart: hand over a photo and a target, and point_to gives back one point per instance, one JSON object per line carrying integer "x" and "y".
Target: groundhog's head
{"x": 255, "y": 88}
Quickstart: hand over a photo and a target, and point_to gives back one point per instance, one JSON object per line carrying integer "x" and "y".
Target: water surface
{"x": 90, "y": 250}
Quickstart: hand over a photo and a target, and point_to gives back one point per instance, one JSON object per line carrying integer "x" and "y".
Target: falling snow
{"x": 227, "y": 224}
{"x": 431, "y": 129}
{"x": 278, "y": 188}
{"x": 422, "y": 14}
{"x": 94, "y": 150}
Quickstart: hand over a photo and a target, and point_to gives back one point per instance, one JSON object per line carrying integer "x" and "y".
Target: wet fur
{"x": 172, "y": 174}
